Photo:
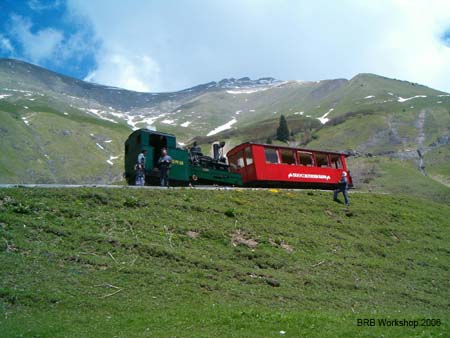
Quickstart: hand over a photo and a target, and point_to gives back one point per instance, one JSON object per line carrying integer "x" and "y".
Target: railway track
{"x": 198, "y": 187}
{"x": 110, "y": 186}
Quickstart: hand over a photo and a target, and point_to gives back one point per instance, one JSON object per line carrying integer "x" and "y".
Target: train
{"x": 246, "y": 165}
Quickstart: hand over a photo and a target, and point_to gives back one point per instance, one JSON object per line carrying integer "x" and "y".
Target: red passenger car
{"x": 267, "y": 165}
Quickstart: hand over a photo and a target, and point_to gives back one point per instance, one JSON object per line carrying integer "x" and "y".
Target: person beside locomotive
{"x": 140, "y": 168}
{"x": 164, "y": 164}
{"x": 342, "y": 187}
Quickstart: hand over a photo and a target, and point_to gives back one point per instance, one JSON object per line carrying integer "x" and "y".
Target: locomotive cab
{"x": 154, "y": 142}
{"x": 187, "y": 166}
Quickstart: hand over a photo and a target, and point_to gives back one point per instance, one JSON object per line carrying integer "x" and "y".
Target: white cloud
{"x": 118, "y": 69}
{"x": 36, "y": 46}
{"x": 412, "y": 48}
{"x": 37, "y": 5}
{"x": 5, "y": 45}
{"x": 46, "y": 45}
{"x": 77, "y": 46}
{"x": 191, "y": 42}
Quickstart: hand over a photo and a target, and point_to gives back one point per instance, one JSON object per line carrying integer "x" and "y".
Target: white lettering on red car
{"x": 314, "y": 176}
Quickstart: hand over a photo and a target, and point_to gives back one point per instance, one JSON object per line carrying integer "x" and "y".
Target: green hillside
{"x": 44, "y": 145}
{"x": 192, "y": 263}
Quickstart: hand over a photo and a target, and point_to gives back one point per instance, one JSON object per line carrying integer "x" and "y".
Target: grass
{"x": 438, "y": 162}
{"x": 58, "y": 148}
{"x": 184, "y": 263}
{"x": 384, "y": 175}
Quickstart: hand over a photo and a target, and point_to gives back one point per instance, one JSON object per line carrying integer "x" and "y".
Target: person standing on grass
{"x": 140, "y": 168}
{"x": 140, "y": 174}
{"x": 343, "y": 187}
{"x": 164, "y": 164}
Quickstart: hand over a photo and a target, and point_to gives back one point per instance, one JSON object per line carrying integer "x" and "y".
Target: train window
{"x": 138, "y": 139}
{"x": 248, "y": 156}
{"x": 336, "y": 161}
{"x": 305, "y": 158}
{"x": 322, "y": 160}
{"x": 158, "y": 141}
{"x": 240, "y": 160}
{"x": 271, "y": 155}
{"x": 232, "y": 160}
{"x": 287, "y": 156}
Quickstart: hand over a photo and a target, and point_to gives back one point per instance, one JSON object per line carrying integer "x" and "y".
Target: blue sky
{"x": 164, "y": 45}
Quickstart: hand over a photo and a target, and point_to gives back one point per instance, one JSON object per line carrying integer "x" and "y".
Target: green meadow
{"x": 124, "y": 262}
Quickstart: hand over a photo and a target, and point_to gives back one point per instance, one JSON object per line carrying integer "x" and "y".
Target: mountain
{"x": 119, "y": 105}
{"x": 59, "y": 129}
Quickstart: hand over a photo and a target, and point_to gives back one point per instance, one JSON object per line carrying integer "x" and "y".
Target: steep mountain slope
{"x": 405, "y": 122}
{"x": 44, "y": 145}
{"x": 203, "y": 109}
{"x": 50, "y": 124}
{"x": 162, "y": 110}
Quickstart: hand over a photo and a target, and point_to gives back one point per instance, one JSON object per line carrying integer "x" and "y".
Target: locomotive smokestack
{"x": 216, "y": 148}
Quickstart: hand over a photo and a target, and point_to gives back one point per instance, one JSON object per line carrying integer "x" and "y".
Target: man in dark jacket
{"x": 164, "y": 164}
{"x": 343, "y": 187}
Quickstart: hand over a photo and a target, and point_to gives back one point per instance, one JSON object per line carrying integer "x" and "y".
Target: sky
{"x": 169, "y": 45}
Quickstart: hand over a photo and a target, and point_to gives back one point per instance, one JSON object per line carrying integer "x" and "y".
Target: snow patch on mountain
{"x": 324, "y": 119}
{"x": 223, "y": 127}
{"x": 18, "y": 90}
{"x": 246, "y": 91}
{"x": 111, "y": 159}
{"x": 134, "y": 120}
{"x": 99, "y": 114}
{"x": 186, "y": 124}
{"x": 401, "y": 99}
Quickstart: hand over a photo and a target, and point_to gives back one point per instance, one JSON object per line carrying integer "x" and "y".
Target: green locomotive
{"x": 187, "y": 166}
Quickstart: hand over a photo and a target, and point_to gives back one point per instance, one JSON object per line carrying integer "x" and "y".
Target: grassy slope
{"x": 72, "y": 153}
{"x": 381, "y": 174}
{"x": 61, "y": 249}
{"x": 394, "y": 128}
{"x": 358, "y": 88}
{"x": 439, "y": 164}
